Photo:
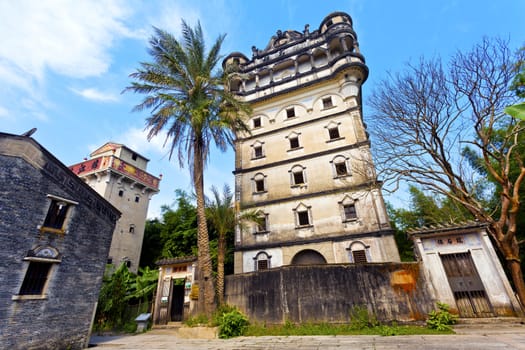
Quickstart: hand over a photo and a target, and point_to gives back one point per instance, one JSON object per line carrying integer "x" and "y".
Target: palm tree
{"x": 222, "y": 214}
{"x": 186, "y": 96}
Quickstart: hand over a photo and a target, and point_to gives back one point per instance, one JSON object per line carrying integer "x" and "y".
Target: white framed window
{"x": 257, "y": 150}
{"x": 293, "y": 140}
{"x": 262, "y": 225}
{"x": 333, "y": 131}
{"x": 359, "y": 253}
{"x": 58, "y": 214}
{"x": 262, "y": 261}
{"x": 340, "y": 166}
{"x": 303, "y": 216}
{"x": 348, "y": 209}
{"x": 259, "y": 183}
{"x": 297, "y": 176}
{"x": 327, "y": 102}
{"x": 41, "y": 261}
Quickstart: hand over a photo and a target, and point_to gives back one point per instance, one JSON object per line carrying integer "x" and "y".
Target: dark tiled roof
{"x": 445, "y": 227}
{"x": 178, "y": 260}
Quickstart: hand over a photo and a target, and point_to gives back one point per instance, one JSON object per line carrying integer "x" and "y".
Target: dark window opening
{"x": 134, "y": 156}
{"x": 137, "y": 198}
{"x": 257, "y": 151}
{"x": 256, "y": 122}
{"x": 120, "y": 193}
{"x": 261, "y": 225}
{"x": 131, "y": 228}
{"x": 109, "y": 261}
{"x": 350, "y": 212}
{"x": 334, "y": 133}
{"x": 294, "y": 142}
{"x": 340, "y": 169}
{"x": 128, "y": 263}
{"x": 329, "y": 23}
{"x": 56, "y": 215}
{"x": 35, "y": 278}
{"x": 359, "y": 256}
{"x": 298, "y": 178}
{"x": 327, "y": 102}
{"x": 262, "y": 264}
{"x": 302, "y": 217}
{"x": 290, "y": 112}
{"x": 259, "y": 185}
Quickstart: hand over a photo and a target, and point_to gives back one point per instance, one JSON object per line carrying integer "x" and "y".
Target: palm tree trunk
{"x": 220, "y": 267}
{"x": 206, "y": 303}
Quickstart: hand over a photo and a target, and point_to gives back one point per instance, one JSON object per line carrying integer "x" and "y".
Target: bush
{"x": 232, "y": 324}
{"x": 360, "y": 319}
{"x": 441, "y": 319}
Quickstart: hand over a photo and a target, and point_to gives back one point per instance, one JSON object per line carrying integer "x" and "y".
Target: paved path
{"x": 493, "y": 337}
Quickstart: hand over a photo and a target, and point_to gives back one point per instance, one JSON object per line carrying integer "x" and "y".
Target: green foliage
{"x": 198, "y": 320}
{"x": 441, "y": 319}
{"x": 310, "y": 329}
{"x": 232, "y": 324}
{"x": 119, "y": 289}
{"x": 361, "y": 319}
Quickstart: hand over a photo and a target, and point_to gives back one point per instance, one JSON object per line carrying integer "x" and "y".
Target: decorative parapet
{"x": 119, "y": 166}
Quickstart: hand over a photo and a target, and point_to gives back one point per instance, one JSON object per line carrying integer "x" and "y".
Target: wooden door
{"x": 466, "y": 285}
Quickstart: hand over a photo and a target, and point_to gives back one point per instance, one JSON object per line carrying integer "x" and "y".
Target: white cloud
{"x": 96, "y": 95}
{"x": 71, "y": 38}
{"x": 4, "y": 113}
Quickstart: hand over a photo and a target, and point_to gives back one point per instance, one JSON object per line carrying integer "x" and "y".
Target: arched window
{"x": 297, "y": 175}
{"x": 340, "y": 166}
{"x": 259, "y": 183}
{"x": 262, "y": 261}
{"x": 359, "y": 253}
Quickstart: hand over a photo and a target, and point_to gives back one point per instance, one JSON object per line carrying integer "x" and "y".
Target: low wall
{"x": 327, "y": 293}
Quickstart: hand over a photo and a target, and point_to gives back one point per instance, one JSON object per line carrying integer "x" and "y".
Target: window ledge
{"x": 261, "y": 232}
{"x": 29, "y": 297}
{"x": 304, "y": 226}
{"x": 294, "y": 149}
{"x": 261, "y": 157}
{"x": 259, "y": 193}
{"x": 342, "y": 176}
{"x": 351, "y": 220}
{"x": 52, "y": 230}
{"x": 336, "y": 139}
{"x": 327, "y": 108}
{"x": 299, "y": 186}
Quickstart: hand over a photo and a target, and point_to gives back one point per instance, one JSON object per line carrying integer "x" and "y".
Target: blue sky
{"x": 64, "y": 64}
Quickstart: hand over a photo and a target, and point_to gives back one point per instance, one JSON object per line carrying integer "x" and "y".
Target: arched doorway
{"x": 308, "y": 257}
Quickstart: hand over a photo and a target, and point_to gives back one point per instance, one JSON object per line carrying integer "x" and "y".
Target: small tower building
{"x": 119, "y": 175}
{"x": 306, "y": 166}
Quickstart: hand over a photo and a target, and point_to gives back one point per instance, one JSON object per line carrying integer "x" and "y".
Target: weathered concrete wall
{"x": 327, "y": 293}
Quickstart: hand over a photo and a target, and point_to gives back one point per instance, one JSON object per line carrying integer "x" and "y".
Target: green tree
{"x": 185, "y": 93}
{"x": 151, "y": 243}
{"x": 423, "y": 210}
{"x": 222, "y": 215}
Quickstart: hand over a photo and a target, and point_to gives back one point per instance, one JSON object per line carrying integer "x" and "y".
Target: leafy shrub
{"x": 441, "y": 319}
{"x": 360, "y": 319}
{"x": 232, "y": 324}
{"x": 195, "y": 321}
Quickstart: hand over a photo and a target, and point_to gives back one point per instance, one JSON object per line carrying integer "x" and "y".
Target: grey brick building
{"x": 55, "y": 234}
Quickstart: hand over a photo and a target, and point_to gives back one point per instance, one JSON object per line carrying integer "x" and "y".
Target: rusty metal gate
{"x": 466, "y": 285}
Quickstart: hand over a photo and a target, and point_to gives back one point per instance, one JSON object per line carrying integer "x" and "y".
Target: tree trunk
{"x": 517, "y": 277}
{"x": 220, "y": 267}
{"x": 206, "y": 303}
